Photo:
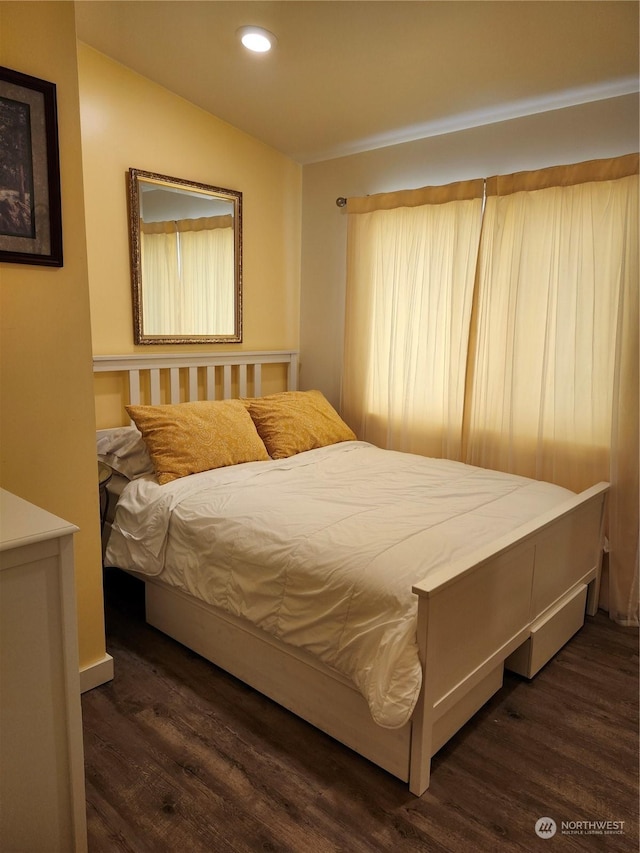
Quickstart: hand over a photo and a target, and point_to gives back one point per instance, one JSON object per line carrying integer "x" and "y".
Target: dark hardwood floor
{"x": 182, "y": 758}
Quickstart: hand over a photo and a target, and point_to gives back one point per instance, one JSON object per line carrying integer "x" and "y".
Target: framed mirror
{"x": 186, "y": 260}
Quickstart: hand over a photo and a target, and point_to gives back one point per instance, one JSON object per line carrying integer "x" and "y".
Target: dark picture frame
{"x": 30, "y": 201}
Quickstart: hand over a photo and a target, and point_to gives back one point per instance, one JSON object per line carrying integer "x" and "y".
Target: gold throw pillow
{"x": 294, "y": 421}
{"x": 187, "y": 438}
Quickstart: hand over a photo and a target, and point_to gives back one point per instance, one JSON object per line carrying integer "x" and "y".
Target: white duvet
{"x": 321, "y": 550}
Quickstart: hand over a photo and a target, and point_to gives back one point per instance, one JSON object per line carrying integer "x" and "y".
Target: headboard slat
{"x": 174, "y": 385}
{"x": 292, "y": 372}
{"x": 193, "y": 384}
{"x": 226, "y": 382}
{"x": 154, "y": 378}
{"x": 211, "y": 382}
{"x": 134, "y": 387}
{"x": 242, "y": 380}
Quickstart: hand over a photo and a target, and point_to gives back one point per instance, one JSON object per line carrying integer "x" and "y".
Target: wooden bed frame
{"x": 512, "y": 604}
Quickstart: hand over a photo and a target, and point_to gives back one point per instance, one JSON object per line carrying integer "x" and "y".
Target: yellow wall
{"x": 129, "y": 121}
{"x": 47, "y": 423}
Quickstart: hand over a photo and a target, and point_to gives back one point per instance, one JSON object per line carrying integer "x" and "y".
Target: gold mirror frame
{"x": 136, "y": 177}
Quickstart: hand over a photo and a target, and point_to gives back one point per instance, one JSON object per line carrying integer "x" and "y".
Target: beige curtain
{"x": 411, "y": 271}
{"x": 161, "y": 303}
{"x": 190, "y": 265}
{"x": 207, "y": 263}
{"x": 544, "y": 351}
{"x": 552, "y": 391}
{"x": 621, "y": 586}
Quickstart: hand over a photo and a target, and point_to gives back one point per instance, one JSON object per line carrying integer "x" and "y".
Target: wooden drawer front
{"x": 549, "y": 633}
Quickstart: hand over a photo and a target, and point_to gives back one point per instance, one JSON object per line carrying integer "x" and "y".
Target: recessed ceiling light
{"x": 256, "y": 39}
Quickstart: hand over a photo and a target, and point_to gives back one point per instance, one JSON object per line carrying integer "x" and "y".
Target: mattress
{"x": 321, "y": 550}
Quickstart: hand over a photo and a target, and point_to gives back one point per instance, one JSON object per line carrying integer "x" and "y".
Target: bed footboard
{"x": 518, "y": 601}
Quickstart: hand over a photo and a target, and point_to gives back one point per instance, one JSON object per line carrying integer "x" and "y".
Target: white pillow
{"x": 123, "y": 449}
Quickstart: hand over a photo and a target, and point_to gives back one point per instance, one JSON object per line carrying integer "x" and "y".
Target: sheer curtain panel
{"x": 159, "y": 262}
{"x": 553, "y": 382}
{"x": 207, "y": 263}
{"x": 411, "y": 265}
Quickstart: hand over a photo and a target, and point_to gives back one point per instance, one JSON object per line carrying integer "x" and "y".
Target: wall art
{"x": 30, "y": 209}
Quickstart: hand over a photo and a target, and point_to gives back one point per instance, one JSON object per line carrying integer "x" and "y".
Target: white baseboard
{"x": 96, "y": 673}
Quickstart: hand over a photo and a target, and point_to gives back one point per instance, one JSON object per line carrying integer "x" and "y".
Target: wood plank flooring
{"x": 182, "y": 758}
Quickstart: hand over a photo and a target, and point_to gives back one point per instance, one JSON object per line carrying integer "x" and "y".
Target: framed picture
{"x": 30, "y": 210}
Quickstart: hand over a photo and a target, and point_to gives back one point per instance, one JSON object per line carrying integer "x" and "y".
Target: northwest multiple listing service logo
{"x": 546, "y": 827}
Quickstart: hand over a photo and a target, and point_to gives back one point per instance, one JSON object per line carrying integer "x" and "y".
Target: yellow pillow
{"x": 294, "y": 421}
{"x": 186, "y": 438}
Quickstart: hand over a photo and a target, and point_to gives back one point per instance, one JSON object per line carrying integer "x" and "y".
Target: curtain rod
{"x": 341, "y": 201}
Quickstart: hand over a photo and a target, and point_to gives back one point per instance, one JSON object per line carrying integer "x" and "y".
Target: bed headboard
{"x": 186, "y": 377}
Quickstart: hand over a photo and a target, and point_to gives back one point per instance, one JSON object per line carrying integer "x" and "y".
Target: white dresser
{"x": 42, "y": 793}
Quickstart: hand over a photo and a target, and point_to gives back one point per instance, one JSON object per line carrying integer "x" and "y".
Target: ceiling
{"x": 351, "y": 75}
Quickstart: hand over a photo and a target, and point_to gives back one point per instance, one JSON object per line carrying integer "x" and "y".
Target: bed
{"x": 330, "y": 575}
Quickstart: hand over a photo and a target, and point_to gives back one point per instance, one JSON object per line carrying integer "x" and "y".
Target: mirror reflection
{"x": 186, "y": 241}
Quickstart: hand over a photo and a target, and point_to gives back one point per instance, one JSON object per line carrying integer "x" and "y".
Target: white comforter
{"x": 321, "y": 550}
